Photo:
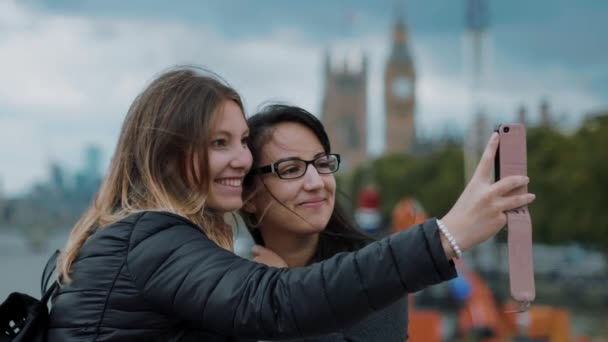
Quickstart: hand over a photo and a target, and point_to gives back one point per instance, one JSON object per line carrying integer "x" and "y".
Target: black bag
{"x": 24, "y": 318}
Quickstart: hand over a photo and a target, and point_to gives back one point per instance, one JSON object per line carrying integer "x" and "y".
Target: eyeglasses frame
{"x": 273, "y": 168}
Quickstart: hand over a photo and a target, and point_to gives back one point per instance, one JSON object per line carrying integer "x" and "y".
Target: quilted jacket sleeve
{"x": 182, "y": 273}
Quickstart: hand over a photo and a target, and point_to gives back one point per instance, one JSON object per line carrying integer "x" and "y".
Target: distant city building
{"x": 522, "y": 115}
{"x": 400, "y": 93}
{"x": 92, "y": 159}
{"x": 55, "y": 203}
{"x": 58, "y": 176}
{"x": 480, "y": 128}
{"x": 545, "y": 113}
{"x": 545, "y": 118}
{"x": 344, "y": 107}
{"x": 476, "y": 65}
{"x": 344, "y": 110}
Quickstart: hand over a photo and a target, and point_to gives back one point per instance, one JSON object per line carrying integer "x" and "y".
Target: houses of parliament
{"x": 344, "y": 106}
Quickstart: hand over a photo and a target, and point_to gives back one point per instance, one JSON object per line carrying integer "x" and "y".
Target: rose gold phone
{"x": 511, "y": 159}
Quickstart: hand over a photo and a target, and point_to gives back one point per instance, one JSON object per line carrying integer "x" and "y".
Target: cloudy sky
{"x": 69, "y": 69}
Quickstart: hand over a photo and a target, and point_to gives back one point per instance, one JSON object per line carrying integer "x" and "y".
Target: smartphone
{"x": 511, "y": 159}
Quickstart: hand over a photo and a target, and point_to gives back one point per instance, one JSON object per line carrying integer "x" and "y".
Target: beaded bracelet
{"x": 444, "y": 230}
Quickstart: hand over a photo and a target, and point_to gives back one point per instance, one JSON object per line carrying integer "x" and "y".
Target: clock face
{"x": 401, "y": 87}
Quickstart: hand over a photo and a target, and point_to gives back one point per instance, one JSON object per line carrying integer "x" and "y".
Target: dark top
{"x": 386, "y": 325}
{"x": 389, "y": 324}
{"x": 155, "y": 276}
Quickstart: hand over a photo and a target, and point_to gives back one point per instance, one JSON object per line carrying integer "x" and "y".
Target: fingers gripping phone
{"x": 511, "y": 159}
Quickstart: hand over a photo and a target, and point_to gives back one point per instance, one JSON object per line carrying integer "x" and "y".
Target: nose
{"x": 242, "y": 158}
{"x": 312, "y": 179}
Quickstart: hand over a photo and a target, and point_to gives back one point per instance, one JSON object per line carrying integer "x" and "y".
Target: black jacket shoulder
{"x": 157, "y": 274}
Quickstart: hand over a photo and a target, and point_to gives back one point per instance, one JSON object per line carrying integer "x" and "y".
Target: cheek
{"x": 213, "y": 160}
{"x": 283, "y": 191}
{"x": 330, "y": 185}
{"x": 217, "y": 162}
{"x": 249, "y": 159}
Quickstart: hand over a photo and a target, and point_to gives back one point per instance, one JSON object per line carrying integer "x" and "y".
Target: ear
{"x": 248, "y": 207}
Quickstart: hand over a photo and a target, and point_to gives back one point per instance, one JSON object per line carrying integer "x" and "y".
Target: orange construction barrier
{"x": 407, "y": 213}
{"x": 424, "y": 325}
{"x": 479, "y": 315}
{"x": 548, "y": 322}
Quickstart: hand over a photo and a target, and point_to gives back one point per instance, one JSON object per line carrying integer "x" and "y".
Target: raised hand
{"x": 479, "y": 212}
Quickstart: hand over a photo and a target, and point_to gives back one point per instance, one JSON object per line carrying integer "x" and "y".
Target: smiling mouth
{"x": 231, "y": 182}
{"x": 313, "y": 203}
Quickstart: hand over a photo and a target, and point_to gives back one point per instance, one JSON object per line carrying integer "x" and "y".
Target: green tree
{"x": 434, "y": 179}
{"x": 568, "y": 172}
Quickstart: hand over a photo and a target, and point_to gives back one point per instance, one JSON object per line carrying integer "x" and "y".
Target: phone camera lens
{"x": 506, "y": 130}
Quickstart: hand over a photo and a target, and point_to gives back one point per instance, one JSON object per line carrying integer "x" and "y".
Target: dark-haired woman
{"x": 291, "y": 208}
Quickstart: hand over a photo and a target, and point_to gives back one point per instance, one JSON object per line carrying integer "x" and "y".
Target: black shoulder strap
{"x": 46, "y": 276}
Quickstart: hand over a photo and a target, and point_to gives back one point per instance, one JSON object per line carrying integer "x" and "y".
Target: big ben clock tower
{"x": 399, "y": 94}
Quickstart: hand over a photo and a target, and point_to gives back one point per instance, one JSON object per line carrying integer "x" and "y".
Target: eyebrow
{"x": 298, "y": 158}
{"x": 228, "y": 133}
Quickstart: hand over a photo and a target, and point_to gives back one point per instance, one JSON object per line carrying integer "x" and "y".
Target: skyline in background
{"x": 70, "y": 69}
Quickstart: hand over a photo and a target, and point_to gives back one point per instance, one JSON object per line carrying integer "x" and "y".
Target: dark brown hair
{"x": 341, "y": 233}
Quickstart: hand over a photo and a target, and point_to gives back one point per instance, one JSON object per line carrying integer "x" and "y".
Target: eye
{"x": 245, "y": 140}
{"x": 286, "y": 169}
{"x": 326, "y": 163}
{"x": 291, "y": 170}
{"x": 323, "y": 162}
{"x": 221, "y": 142}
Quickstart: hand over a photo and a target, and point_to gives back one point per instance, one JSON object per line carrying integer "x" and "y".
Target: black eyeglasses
{"x": 295, "y": 167}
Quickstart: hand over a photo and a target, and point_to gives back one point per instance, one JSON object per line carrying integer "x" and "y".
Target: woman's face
{"x": 298, "y": 206}
{"x": 229, "y": 159}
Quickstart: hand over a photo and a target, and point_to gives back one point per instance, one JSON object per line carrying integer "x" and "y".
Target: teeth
{"x": 230, "y": 182}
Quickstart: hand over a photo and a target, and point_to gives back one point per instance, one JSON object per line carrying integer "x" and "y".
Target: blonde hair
{"x": 165, "y": 131}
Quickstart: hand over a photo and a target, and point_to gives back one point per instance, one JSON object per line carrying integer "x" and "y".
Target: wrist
{"x": 448, "y": 241}
{"x": 449, "y": 252}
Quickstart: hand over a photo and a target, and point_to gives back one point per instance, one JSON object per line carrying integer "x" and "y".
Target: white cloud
{"x": 445, "y": 96}
{"x": 67, "y": 81}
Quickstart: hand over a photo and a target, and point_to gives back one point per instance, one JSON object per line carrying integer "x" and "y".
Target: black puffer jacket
{"x": 156, "y": 277}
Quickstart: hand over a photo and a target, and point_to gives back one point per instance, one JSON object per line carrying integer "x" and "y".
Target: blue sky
{"x": 70, "y": 68}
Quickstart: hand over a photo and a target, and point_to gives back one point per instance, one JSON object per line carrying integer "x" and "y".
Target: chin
{"x": 226, "y": 205}
{"x": 316, "y": 226}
